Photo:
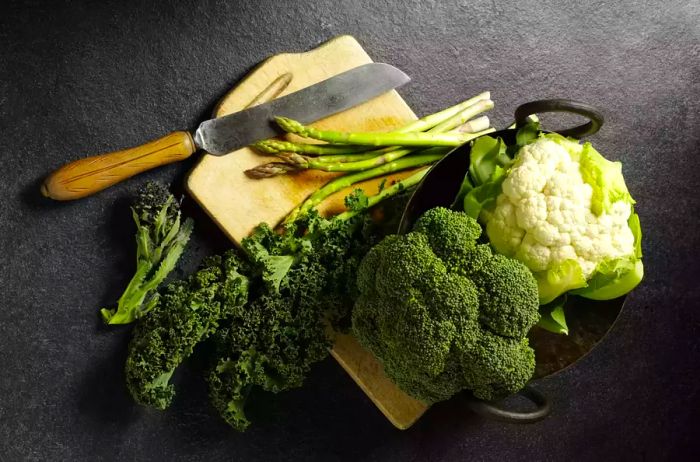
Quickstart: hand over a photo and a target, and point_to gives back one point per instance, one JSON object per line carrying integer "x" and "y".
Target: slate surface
{"x": 84, "y": 77}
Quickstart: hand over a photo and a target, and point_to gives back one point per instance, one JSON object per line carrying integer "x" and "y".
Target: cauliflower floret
{"x": 543, "y": 215}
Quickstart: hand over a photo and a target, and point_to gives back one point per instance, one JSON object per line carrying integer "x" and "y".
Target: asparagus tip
{"x": 288, "y": 125}
{"x": 264, "y": 147}
{"x": 269, "y": 170}
{"x": 293, "y": 158}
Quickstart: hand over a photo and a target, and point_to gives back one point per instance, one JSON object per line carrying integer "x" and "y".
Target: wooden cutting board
{"x": 237, "y": 204}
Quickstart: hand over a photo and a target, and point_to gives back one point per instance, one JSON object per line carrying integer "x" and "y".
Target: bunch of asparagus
{"x": 362, "y": 156}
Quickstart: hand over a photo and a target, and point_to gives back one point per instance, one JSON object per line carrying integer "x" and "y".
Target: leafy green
{"x": 273, "y": 342}
{"x": 484, "y": 195}
{"x": 526, "y": 134}
{"x": 605, "y": 178}
{"x": 160, "y": 241}
{"x": 188, "y": 312}
{"x": 559, "y": 279}
{"x": 552, "y": 316}
{"x": 358, "y": 200}
{"x": 486, "y": 154}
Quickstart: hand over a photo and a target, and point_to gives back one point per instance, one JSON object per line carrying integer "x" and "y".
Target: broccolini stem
{"x": 385, "y": 193}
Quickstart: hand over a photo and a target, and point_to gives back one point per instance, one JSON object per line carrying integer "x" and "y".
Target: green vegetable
{"x": 160, "y": 240}
{"x": 373, "y": 138}
{"x": 188, "y": 312}
{"x": 275, "y": 146}
{"x": 443, "y": 314}
{"x": 273, "y": 342}
{"x": 552, "y": 316}
{"x": 322, "y": 164}
{"x": 357, "y": 203}
{"x": 420, "y": 159}
{"x": 442, "y": 121}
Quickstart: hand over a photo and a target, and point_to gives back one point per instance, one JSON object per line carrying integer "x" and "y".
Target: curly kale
{"x": 188, "y": 312}
{"x": 273, "y": 342}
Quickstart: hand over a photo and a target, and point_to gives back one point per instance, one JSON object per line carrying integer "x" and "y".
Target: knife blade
{"x": 225, "y": 134}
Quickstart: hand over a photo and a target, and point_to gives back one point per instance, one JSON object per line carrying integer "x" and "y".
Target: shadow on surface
{"x": 31, "y": 197}
{"x": 102, "y": 395}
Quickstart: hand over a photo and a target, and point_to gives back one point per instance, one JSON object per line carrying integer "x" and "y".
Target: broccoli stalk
{"x": 160, "y": 240}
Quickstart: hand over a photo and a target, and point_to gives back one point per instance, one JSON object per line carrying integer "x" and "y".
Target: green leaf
{"x": 605, "y": 178}
{"x": 613, "y": 278}
{"x": 527, "y": 134}
{"x": 463, "y": 191}
{"x": 484, "y": 196}
{"x": 552, "y": 316}
{"x": 357, "y": 200}
{"x": 558, "y": 280}
{"x": 276, "y": 268}
{"x": 636, "y": 228}
{"x": 486, "y": 154}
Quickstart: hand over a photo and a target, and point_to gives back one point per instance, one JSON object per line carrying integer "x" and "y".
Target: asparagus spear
{"x": 396, "y": 188}
{"x": 456, "y": 115}
{"x": 432, "y": 120}
{"x": 276, "y": 146}
{"x": 480, "y": 124}
{"x": 303, "y": 162}
{"x": 374, "y": 138}
{"x": 426, "y": 157}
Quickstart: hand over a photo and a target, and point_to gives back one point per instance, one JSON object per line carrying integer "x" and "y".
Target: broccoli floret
{"x": 473, "y": 260}
{"x": 498, "y": 366}
{"x": 509, "y": 302}
{"x": 427, "y": 321}
{"x": 186, "y": 313}
{"x": 451, "y": 234}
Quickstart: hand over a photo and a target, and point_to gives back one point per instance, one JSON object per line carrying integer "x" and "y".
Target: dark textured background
{"x": 83, "y": 77}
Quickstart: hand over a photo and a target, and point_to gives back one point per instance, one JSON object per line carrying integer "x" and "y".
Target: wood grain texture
{"x": 92, "y": 174}
{"x": 237, "y": 203}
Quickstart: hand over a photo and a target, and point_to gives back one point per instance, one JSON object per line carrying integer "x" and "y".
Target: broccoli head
{"x": 443, "y": 314}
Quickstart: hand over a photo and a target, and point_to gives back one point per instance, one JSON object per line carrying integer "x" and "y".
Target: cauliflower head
{"x": 565, "y": 212}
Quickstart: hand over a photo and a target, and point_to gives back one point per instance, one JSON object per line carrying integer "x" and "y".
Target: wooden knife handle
{"x": 92, "y": 174}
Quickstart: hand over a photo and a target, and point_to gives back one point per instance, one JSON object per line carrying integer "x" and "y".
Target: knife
{"x": 223, "y": 135}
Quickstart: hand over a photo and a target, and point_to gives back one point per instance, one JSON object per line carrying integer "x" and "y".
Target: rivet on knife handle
{"x": 92, "y": 174}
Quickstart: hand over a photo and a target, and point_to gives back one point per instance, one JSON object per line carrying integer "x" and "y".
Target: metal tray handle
{"x": 563, "y": 105}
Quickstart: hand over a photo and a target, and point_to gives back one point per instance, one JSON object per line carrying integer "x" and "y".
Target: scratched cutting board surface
{"x": 237, "y": 204}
